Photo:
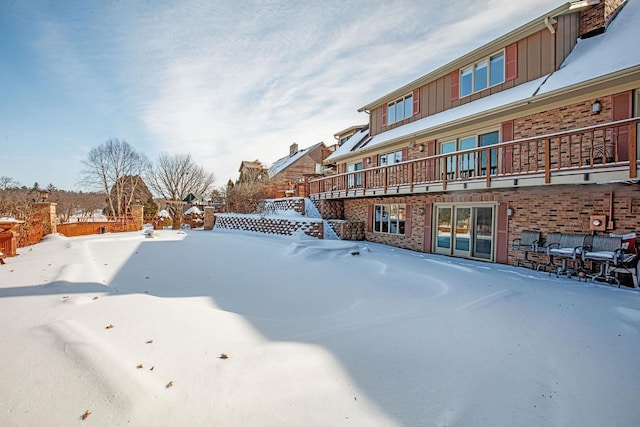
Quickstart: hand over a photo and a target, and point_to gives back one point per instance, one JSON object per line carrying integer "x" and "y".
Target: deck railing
{"x": 577, "y": 151}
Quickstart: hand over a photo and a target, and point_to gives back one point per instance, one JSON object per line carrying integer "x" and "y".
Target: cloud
{"x": 229, "y": 81}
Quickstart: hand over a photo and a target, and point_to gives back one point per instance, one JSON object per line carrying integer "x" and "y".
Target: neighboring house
{"x": 196, "y": 200}
{"x": 533, "y": 131}
{"x": 347, "y": 133}
{"x": 251, "y": 171}
{"x": 291, "y": 173}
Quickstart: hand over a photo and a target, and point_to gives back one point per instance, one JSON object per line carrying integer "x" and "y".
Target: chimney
{"x": 293, "y": 149}
{"x": 595, "y": 18}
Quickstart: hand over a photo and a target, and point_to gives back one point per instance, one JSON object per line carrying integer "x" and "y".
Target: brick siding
{"x": 562, "y": 208}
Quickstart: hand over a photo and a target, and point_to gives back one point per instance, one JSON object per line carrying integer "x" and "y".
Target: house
{"x": 535, "y": 130}
{"x": 290, "y": 174}
{"x": 251, "y": 171}
{"x": 343, "y": 135}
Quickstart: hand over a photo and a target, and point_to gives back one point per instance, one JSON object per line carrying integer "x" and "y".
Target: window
{"x": 465, "y": 165}
{"x": 482, "y": 74}
{"x": 400, "y": 109}
{"x": 343, "y": 140}
{"x": 389, "y": 218}
{"x": 354, "y": 180}
{"x": 390, "y": 158}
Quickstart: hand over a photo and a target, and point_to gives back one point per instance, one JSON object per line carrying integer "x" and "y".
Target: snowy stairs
{"x": 312, "y": 211}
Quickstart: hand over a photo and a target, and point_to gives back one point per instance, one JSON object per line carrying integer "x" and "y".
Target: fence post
{"x": 209, "y": 217}
{"x": 137, "y": 212}
{"x": 47, "y": 211}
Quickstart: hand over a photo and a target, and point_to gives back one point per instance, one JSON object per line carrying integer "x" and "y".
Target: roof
{"x": 349, "y": 145}
{"x": 355, "y": 128}
{"x": 283, "y": 163}
{"x": 246, "y": 164}
{"x": 512, "y": 36}
{"x": 599, "y": 57}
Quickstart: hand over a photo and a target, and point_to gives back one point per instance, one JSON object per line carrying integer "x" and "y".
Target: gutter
{"x": 518, "y": 33}
{"x": 535, "y": 98}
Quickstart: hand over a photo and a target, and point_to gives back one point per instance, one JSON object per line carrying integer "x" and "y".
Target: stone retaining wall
{"x": 272, "y": 225}
{"x": 348, "y": 230}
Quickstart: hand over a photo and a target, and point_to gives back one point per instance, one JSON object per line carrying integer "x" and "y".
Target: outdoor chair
{"x": 610, "y": 253}
{"x": 570, "y": 247}
{"x": 551, "y": 240}
{"x": 606, "y": 251}
{"x": 527, "y": 242}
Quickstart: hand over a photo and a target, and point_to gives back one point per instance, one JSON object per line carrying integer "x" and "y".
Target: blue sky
{"x": 225, "y": 81}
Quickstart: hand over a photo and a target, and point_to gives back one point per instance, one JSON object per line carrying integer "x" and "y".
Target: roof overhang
{"x": 511, "y": 37}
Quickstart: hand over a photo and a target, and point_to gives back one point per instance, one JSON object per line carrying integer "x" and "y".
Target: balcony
{"x": 598, "y": 153}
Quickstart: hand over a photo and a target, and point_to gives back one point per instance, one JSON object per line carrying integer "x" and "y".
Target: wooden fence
{"x": 8, "y": 244}
{"x": 86, "y": 228}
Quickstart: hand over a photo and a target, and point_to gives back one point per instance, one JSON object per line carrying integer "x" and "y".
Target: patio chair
{"x": 527, "y": 242}
{"x": 551, "y": 240}
{"x": 570, "y": 247}
{"x": 610, "y": 253}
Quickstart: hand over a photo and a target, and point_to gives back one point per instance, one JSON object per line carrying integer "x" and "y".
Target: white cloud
{"x": 232, "y": 81}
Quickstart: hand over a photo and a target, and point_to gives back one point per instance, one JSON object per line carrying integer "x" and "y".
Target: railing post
{"x": 410, "y": 166}
{"x": 633, "y": 155}
{"x": 547, "y": 160}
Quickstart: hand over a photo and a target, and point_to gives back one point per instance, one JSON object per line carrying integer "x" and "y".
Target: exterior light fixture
{"x": 596, "y": 107}
{"x": 44, "y": 195}
{"x": 421, "y": 148}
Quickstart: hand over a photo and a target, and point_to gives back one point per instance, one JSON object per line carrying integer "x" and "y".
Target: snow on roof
{"x": 163, "y": 214}
{"x": 350, "y": 144}
{"x": 592, "y": 58}
{"x": 508, "y": 97}
{"x": 283, "y": 163}
{"x": 614, "y": 50}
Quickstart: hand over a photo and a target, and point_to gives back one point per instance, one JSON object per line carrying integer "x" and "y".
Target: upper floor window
{"x": 482, "y": 74}
{"x": 390, "y": 158}
{"x": 400, "y": 109}
{"x": 343, "y": 140}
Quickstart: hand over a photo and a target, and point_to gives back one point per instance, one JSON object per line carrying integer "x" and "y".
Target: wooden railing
{"x": 576, "y": 151}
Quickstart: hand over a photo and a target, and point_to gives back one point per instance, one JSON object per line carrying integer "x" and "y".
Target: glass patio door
{"x": 465, "y": 231}
{"x": 443, "y": 230}
{"x": 462, "y": 232}
{"x": 483, "y": 232}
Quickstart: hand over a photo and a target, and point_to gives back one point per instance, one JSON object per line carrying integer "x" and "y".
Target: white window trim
{"x": 401, "y": 100}
{"x": 472, "y": 66}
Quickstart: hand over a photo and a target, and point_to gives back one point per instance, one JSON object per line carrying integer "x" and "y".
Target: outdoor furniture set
{"x": 612, "y": 255}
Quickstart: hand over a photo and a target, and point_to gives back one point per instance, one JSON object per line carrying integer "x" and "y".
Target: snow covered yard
{"x": 130, "y": 330}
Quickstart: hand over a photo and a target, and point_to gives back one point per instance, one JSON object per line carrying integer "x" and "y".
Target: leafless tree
{"x": 174, "y": 176}
{"x": 7, "y": 182}
{"x": 115, "y": 165}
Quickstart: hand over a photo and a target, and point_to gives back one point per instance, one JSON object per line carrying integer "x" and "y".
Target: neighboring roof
{"x": 608, "y": 54}
{"x": 283, "y": 163}
{"x": 349, "y": 145}
{"x": 354, "y": 129}
{"x": 245, "y": 164}
{"x": 191, "y": 197}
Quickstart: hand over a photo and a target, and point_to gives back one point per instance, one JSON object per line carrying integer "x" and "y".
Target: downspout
{"x": 549, "y": 24}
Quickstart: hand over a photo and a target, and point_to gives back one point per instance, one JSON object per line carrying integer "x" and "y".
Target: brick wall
{"x": 348, "y": 230}
{"x": 563, "y": 208}
{"x": 287, "y": 204}
{"x": 279, "y": 226}
{"x": 330, "y": 209}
